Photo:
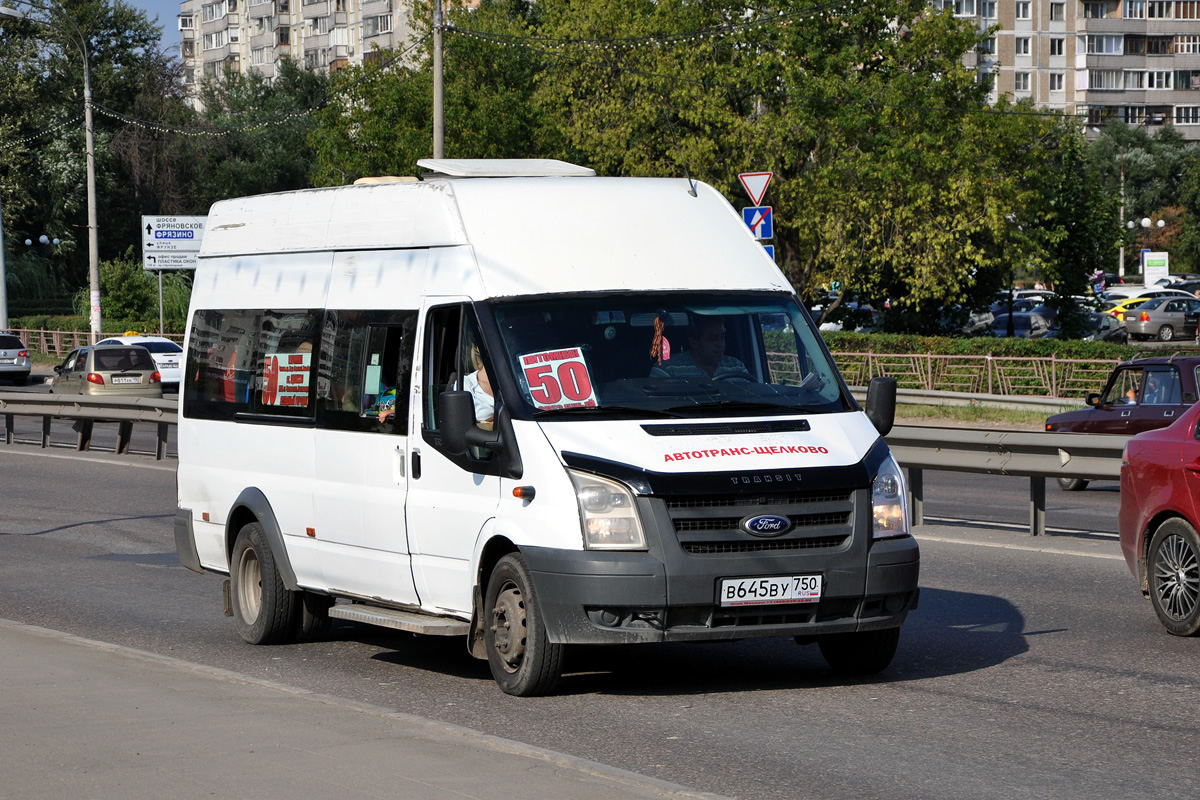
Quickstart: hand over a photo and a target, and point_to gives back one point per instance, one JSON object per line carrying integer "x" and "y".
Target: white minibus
{"x": 518, "y": 403}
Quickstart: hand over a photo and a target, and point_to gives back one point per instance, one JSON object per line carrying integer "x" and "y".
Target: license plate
{"x": 770, "y": 591}
{"x": 126, "y": 379}
{"x": 8, "y": 361}
{"x": 170, "y": 364}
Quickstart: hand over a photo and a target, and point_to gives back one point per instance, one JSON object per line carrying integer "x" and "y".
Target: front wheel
{"x": 1166, "y": 333}
{"x": 1072, "y": 484}
{"x": 865, "y": 653}
{"x": 1174, "y": 572}
{"x": 523, "y": 660}
{"x": 263, "y": 609}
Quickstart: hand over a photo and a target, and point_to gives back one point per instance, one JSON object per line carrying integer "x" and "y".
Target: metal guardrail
{"x": 1035, "y": 455}
{"x": 1026, "y": 454}
{"x": 89, "y": 410}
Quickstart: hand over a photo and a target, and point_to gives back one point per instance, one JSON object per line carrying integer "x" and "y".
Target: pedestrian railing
{"x": 60, "y": 343}
{"x": 976, "y": 374}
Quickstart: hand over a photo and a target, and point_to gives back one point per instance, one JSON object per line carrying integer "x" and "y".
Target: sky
{"x": 167, "y": 12}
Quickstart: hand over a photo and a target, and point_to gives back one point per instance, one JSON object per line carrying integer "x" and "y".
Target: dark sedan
{"x": 1025, "y": 326}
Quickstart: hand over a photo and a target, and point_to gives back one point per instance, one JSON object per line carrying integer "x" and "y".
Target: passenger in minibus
{"x": 480, "y": 387}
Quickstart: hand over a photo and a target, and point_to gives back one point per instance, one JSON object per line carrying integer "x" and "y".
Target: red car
{"x": 1159, "y": 517}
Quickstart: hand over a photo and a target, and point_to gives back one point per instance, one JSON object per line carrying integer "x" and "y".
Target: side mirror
{"x": 1092, "y": 399}
{"x": 881, "y": 404}
{"x": 57, "y": 369}
{"x": 457, "y": 413}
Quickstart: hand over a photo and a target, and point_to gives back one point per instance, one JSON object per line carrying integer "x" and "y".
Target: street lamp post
{"x": 93, "y": 227}
{"x": 1146, "y": 224}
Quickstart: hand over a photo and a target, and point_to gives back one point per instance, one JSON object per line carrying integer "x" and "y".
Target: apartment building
{"x": 1137, "y": 61}
{"x": 239, "y": 35}
{"x": 1132, "y": 60}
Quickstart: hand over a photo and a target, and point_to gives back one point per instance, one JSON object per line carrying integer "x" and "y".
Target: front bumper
{"x": 590, "y": 597}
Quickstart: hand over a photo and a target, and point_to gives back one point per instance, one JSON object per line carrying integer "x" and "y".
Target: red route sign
{"x": 755, "y": 184}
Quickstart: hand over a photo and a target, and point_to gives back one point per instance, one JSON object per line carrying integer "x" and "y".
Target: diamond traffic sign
{"x": 755, "y": 184}
{"x": 760, "y": 222}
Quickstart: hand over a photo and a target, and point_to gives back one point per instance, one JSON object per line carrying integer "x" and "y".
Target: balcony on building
{"x": 311, "y": 9}
{"x": 256, "y": 9}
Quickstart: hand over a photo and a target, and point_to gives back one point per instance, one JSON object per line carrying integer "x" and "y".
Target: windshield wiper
{"x": 744, "y": 405}
{"x": 592, "y": 410}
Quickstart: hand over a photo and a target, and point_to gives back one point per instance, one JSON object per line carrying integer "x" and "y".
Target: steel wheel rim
{"x": 1177, "y": 577}
{"x": 508, "y": 626}
{"x": 249, "y": 585}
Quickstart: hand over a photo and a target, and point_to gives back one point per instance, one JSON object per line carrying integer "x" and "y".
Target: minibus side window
{"x": 219, "y": 374}
{"x": 457, "y": 361}
{"x": 365, "y": 370}
{"x": 283, "y": 364}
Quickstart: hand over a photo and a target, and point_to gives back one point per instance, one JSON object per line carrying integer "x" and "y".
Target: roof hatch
{"x": 504, "y": 168}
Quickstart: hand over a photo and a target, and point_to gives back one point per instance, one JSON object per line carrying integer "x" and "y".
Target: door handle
{"x": 398, "y": 464}
{"x": 416, "y": 464}
{"x": 1194, "y": 466}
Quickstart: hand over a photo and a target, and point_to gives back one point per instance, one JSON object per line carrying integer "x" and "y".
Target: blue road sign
{"x": 770, "y": 248}
{"x": 760, "y": 221}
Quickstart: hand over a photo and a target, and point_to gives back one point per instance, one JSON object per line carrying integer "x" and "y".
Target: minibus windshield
{"x": 667, "y": 354}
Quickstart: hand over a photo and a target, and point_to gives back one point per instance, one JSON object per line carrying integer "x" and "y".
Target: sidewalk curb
{"x": 433, "y": 730}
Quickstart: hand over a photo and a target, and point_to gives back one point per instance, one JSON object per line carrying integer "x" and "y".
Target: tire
{"x": 523, "y": 660}
{"x": 1166, "y": 333}
{"x": 312, "y": 618}
{"x": 264, "y": 611}
{"x": 866, "y": 653}
{"x": 1072, "y": 484}
{"x": 1174, "y": 573}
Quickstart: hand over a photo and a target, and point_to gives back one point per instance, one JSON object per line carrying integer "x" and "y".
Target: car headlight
{"x": 607, "y": 513}
{"x": 889, "y": 502}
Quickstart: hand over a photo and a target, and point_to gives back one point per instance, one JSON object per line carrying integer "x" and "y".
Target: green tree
{"x": 41, "y": 103}
{"x": 260, "y": 131}
{"x": 379, "y": 119}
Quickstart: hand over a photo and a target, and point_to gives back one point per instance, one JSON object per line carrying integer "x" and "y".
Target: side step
{"x": 400, "y": 620}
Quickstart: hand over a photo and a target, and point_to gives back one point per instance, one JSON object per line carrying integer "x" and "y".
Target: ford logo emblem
{"x": 766, "y": 525}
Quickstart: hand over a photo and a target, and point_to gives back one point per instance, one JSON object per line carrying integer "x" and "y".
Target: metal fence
{"x": 60, "y": 343}
{"x": 976, "y": 374}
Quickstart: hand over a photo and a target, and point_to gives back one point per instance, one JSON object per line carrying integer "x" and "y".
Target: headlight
{"x": 889, "y": 502}
{"x": 606, "y": 510}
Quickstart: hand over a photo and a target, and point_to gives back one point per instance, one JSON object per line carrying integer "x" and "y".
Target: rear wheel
{"x": 523, "y": 660}
{"x": 865, "y": 653}
{"x": 1174, "y": 571}
{"x": 263, "y": 609}
{"x": 1072, "y": 484}
{"x": 1166, "y": 333}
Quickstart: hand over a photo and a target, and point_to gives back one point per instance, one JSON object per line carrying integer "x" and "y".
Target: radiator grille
{"x": 732, "y": 523}
{"x": 785, "y": 545}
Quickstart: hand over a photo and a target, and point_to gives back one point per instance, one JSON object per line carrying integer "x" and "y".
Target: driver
{"x": 705, "y": 357}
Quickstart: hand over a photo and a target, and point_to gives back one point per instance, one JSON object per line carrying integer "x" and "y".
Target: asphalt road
{"x": 1032, "y": 669}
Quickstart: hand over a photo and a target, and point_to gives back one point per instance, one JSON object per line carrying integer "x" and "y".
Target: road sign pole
{"x": 160, "y": 304}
